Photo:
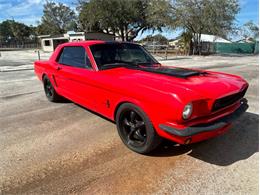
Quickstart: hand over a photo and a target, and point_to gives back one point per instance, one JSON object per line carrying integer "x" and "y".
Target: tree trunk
{"x": 122, "y": 34}
{"x": 199, "y": 44}
{"x": 126, "y": 33}
{"x": 190, "y": 47}
{"x": 194, "y": 44}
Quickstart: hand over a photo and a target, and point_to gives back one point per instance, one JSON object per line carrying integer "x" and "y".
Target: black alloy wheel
{"x": 135, "y": 129}
{"x": 48, "y": 88}
{"x": 50, "y": 92}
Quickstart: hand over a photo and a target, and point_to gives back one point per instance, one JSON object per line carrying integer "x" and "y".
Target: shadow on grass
{"x": 239, "y": 143}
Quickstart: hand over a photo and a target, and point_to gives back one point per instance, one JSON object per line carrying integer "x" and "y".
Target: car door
{"x": 73, "y": 75}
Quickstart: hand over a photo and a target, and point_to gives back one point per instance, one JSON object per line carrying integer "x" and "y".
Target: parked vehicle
{"x": 147, "y": 101}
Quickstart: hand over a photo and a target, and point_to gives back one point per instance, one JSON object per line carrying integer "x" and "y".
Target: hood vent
{"x": 176, "y": 72}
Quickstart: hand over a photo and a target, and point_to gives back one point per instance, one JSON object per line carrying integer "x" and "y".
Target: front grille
{"x": 228, "y": 100}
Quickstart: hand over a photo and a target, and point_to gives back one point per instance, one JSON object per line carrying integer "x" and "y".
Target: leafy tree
{"x": 20, "y": 31}
{"x": 123, "y": 17}
{"x": 57, "y": 19}
{"x": 204, "y": 16}
{"x": 12, "y": 30}
{"x": 5, "y": 30}
{"x": 157, "y": 38}
{"x": 249, "y": 30}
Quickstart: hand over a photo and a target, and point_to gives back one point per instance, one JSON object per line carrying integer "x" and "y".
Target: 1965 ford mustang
{"x": 148, "y": 101}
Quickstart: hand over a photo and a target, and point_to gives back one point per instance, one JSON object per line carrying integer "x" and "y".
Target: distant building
{"x": 204, "y": 39}
{"x": 49, "y": 43}
{"x": 207, "y": 43}
{"x": 213, "y": 39}
{"x": 174, "y": 42}
{"x": 247, "y": 40}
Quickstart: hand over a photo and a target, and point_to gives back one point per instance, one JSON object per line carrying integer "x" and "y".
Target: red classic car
{"x": 147, "y": 101}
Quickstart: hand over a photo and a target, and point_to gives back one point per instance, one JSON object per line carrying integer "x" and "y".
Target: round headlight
{"x": 187, "y": 111}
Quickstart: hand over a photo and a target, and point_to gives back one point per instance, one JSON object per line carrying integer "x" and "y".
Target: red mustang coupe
{"x": 148, "y": 101}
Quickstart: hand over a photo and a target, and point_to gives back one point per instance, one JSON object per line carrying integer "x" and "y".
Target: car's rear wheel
{"x": 135, "y": 129}
{"x": 50, "y": 92}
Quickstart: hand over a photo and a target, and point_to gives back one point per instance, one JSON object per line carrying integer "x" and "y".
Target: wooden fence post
{"x": 39, "y": 55}
{"x": 166, "y": 51}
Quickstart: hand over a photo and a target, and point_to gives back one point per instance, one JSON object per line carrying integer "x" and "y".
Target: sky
{"x": 26, "y": 11}
{"x": 30, "y": 11}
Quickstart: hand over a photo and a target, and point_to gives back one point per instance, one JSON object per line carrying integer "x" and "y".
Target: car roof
{"x": 90, "y": 42}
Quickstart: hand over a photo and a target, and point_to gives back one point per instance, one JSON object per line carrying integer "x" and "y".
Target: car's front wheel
{"x": 135, "y": 129}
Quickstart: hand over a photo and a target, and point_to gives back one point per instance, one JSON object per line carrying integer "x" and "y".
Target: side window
{"x": 47, "y": 43}
{"x": 74, "y": 56}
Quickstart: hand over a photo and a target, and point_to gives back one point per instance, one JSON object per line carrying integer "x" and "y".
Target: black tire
{"x": 50, "y": 92}
{"x": 135, "y": 129}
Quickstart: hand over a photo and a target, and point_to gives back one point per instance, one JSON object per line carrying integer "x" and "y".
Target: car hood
{"x": 189, "y": 83}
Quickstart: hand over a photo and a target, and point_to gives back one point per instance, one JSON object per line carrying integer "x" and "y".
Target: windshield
{"x": 113, "y": 55}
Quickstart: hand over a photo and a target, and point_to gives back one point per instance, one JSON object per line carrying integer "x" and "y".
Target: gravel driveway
{"x": 60, "y": 148}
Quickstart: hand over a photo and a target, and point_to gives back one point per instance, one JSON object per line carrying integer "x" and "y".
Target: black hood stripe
{"x": 176, "y": 72}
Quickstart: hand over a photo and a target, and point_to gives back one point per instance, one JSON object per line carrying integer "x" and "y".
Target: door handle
{"x": 58, "y": 68}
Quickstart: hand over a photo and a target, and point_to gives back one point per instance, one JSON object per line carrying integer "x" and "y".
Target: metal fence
{"x": 31, "y": 44}
{"x": 165, "y": 51}
{"x": 237, "y": 48}
{"x": 207, "y": 48}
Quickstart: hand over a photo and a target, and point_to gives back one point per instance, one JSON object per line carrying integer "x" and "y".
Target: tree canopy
{"x": 204, "y": 16}
{"x": 128, "y": 18}
{"x": 10, "y": 30}
{"x": 57, "y": 19}
{"x": 155, "y": 38}
{"x": 122, "y": 17}
{"x": 249, "y": 30}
